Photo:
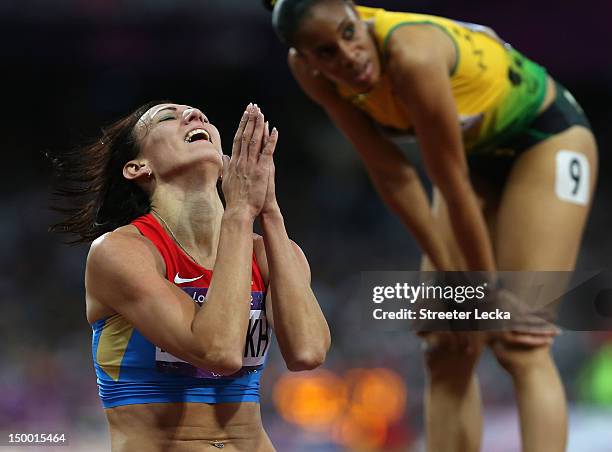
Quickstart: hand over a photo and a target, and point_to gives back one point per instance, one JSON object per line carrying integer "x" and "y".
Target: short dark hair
{"x": 98, "y": 199}
{"x": 288, "y": 15}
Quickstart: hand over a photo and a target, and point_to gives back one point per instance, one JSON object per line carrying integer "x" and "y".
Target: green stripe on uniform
{"x": 427, "y": 22}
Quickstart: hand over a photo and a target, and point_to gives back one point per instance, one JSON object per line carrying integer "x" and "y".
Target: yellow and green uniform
{"x": 498, "y": 92}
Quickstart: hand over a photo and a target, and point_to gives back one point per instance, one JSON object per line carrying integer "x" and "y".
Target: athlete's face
{"x": 175, "y": 137}
{"x": 336, "y": 42}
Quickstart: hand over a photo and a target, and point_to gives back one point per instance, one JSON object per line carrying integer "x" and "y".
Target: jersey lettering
{"x": 257, "y": 341}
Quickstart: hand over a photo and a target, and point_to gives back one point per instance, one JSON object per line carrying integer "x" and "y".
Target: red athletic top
{"x": 132, "y": 370}
{"x": 180, "y": 268}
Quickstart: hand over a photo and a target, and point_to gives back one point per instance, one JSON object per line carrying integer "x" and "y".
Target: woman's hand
{"x": 270, "y": 139}
{"x": 246, "y": 173}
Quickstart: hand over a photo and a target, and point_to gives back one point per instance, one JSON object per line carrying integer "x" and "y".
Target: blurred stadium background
{"x": 71, "y": 66}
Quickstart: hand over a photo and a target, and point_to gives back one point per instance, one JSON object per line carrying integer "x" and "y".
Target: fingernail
{"x": 274, "y": 130}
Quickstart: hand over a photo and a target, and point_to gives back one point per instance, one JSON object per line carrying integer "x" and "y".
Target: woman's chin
{"x": 204, "y": 164}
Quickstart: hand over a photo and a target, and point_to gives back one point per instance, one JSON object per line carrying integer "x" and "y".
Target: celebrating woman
{"x": 180, "y": 293}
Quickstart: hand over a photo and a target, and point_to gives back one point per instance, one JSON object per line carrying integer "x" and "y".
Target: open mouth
{"x": 197, "y": 135}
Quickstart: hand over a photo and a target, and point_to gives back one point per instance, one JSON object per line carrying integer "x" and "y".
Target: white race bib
{"x": 572, "y": 177}
{"x": 257, "y": 343}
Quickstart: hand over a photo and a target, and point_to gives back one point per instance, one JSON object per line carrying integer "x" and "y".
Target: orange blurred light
{"x": 312, "y": 401}
{"x": 376, "y": 392}
{"x": 358, "y": 435}
{"x": 356, "y": 410}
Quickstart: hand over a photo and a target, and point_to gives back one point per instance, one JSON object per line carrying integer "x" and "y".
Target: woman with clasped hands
{"x": 180, "y": 293}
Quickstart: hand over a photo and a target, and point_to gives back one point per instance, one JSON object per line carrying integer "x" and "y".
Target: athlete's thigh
{"x": 545, "y": 203}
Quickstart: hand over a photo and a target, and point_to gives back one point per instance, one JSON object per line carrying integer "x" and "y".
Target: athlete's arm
{"x": 125, "y": 273}
{"x": 420, "y": 59}
{"x": 296, "y": 317}
{"x": 395, "y": 179}
{"x": 300, "y": 326}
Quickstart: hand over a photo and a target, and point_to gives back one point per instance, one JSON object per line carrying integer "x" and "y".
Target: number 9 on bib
{"x": 572, "y": 178}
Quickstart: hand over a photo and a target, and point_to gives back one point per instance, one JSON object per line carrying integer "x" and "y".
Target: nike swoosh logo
{"x": 179, "y": 280}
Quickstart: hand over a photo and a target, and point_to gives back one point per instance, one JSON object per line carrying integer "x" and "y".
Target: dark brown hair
{"x": 288, "y": 15}
{"x": 98, "y": 199}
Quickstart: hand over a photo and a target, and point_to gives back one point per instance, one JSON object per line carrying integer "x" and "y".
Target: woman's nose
{"x": 193, "y": 114}
{"x": 348, "y": 57}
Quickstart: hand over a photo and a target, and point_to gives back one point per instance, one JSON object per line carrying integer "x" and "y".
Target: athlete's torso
{"x": 187, "y": 427}
{"x": 495, "y": 88}
{"x": 131, "y": 370}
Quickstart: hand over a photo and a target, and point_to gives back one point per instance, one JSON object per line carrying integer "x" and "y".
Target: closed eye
{"x": 166, "y": 118}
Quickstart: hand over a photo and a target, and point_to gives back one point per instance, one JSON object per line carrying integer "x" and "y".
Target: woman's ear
{"x": 300, "y": 58}
{"x": 134, "y": 169}
{"x": 295, "y": 53}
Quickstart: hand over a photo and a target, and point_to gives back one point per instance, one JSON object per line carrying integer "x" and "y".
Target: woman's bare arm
{"x": 420, "y": 59}
{"x": 394, "y": 178}
{"x": 124, "y": 273}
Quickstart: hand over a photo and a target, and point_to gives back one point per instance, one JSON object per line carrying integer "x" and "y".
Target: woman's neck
{"x": 191, "y": 218}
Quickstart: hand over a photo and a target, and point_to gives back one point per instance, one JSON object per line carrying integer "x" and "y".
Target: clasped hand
{"x": 248, "y": 175}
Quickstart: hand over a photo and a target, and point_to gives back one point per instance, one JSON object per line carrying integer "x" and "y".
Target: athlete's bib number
{"x": 572, "y": 178}
{"x": 258, "y": 338}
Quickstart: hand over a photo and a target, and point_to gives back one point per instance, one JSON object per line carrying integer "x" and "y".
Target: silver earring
{"x": 149, "y": 172}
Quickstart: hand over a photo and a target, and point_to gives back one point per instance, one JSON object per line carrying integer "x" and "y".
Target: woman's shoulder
{"x": 113, "y": 257}
{"x": 124, "y": 243}
{"x": 412, "y": 49}
{"x": 260, "y": 257}
{"x": 121, "y": 236}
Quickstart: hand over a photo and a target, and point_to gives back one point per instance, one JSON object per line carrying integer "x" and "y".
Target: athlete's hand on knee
{"x": 530, "y": 326}
{"x": 539, "y": 334}
{"x": 246, "y": 173}
{"x": 520, "y": 338}
{"x": 269, "y": 145}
